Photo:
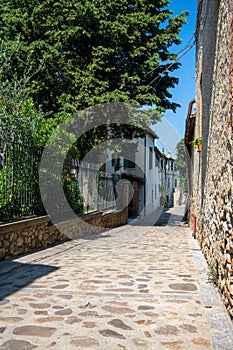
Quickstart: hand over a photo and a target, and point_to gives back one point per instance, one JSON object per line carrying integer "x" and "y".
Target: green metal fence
{"x": 19, "y": 183}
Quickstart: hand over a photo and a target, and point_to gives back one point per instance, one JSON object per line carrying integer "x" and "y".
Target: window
{"x": 129, "y": 164}
{"x": 150, "y": 157}
{"x": 114, "y": 159}
{"x": 156, "y": 160}
{"x": 116, "y": 163}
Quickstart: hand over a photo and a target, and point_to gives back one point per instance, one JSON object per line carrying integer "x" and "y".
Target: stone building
{"x": 210, "y": 168}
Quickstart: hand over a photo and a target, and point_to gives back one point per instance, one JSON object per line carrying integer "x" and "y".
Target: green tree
{"x": 182, "y": 165}
{"x": 18, "y": 113}
{"x": 92, "y": 52}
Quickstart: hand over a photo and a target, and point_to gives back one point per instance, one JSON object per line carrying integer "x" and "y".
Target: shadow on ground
{"x": 168, "y": 219}
{"x": 95, "y": 236}
{"x": 15, "y": 276}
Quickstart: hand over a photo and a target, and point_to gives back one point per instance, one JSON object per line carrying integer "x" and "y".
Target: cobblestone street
{"x": 134, "y": 287}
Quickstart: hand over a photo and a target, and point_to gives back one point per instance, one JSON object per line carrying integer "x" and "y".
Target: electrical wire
{"x": 172, "y": 64}
{"x": 177, "y": 53}
{"x": 184, "y": 51}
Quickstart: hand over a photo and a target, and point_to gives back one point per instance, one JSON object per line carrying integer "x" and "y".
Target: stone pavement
{"x": 134, "y": 287}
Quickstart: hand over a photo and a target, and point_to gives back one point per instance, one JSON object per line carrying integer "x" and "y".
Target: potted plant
{"x": 197, "y": 143}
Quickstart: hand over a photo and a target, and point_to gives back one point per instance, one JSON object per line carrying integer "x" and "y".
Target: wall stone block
{"x": 27, "y": 235}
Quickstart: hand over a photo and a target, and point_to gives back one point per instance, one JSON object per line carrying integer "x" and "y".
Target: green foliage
{"x": 24, "y": 131}
{"x": 197, "y": 142}
{"x": 213, "y": 276}
{"x": 58, "y": 57}
{"x": 19, "y": 183}
{"x": 73, "y": 194}
{"x": 162, "y": 200}
{"x": 18, "y": 113}
{"x": 182, "y": 165}
{"x": 92, "y": 52}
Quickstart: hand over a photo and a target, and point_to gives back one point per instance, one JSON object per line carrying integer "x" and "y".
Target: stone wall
{"x": 213, "y": 176}
{"x": 27, "y": 235}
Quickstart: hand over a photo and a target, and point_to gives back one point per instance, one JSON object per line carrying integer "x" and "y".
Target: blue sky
{"x": 185, "y": 90}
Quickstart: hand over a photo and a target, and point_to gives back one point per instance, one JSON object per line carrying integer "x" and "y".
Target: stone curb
{"x": 216, "y": 313}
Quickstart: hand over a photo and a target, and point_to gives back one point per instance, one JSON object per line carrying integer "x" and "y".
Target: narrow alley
{"x": 133, "y": 287}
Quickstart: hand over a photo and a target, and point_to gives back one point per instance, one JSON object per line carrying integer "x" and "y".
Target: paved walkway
{"x": 130, "y": 288}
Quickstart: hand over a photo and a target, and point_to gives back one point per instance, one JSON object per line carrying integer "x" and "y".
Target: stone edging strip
{"x": 216, "y": 314}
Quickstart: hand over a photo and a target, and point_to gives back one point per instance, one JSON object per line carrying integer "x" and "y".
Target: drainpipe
{"x": 145, "y": 175}
{"x": 194, "y": 227}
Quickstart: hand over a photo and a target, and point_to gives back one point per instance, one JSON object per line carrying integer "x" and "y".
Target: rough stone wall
{"x": 115, "y": 219}
{"x": 26, "y": 235}
{"x": 215, "y": 213}
{"x": 22, "y": 236}
{"x": 196, "y": 157}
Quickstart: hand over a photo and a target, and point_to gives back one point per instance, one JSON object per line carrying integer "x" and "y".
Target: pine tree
{"x": 91, "y": 52}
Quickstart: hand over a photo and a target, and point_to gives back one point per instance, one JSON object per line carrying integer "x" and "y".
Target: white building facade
{"x": 152, "y": 174}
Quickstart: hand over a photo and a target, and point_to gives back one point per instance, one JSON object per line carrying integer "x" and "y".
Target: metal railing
{"x": 85, "y": 187}
{"x": 98, "y": 188}
{"x": 19, "y": 185}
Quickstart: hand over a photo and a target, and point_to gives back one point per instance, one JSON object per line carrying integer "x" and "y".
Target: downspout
{"x": 145, "y": 175}
{"x": 194, "y": 227}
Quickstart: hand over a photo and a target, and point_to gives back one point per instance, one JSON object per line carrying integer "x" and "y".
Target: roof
{"x": 161, "y": 154}
{"x": 152, "y": 133}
